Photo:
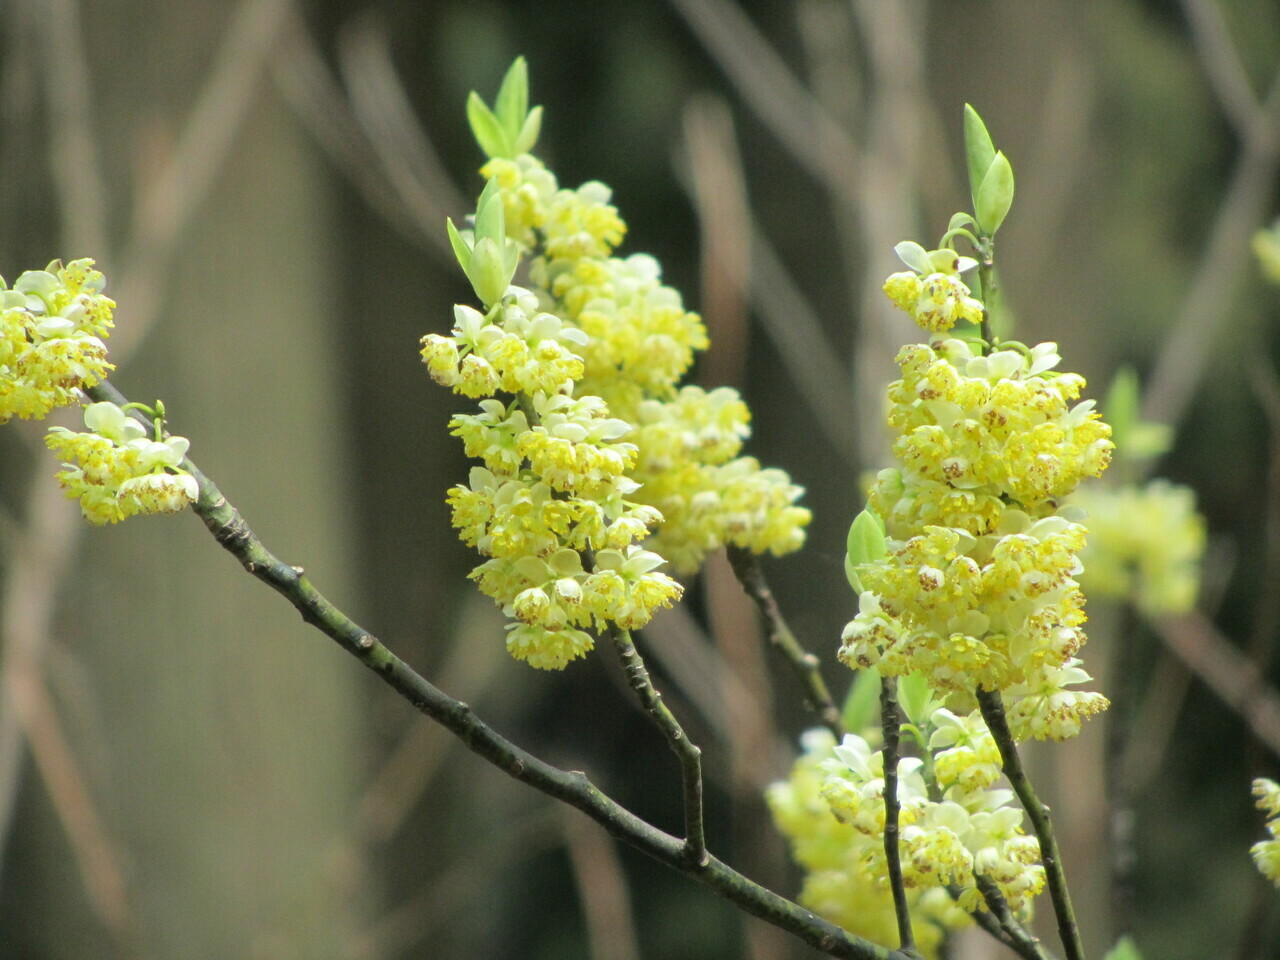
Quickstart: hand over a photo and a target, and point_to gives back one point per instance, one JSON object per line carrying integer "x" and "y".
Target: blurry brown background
{"x": 187, "y": 771}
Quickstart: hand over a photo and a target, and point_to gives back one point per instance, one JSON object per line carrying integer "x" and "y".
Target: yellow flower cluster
{"x": 52, "y": 324}
{"x": 844, "y": 865}
{"x": 976, "y": 587}
{"x": 639, "y": 342}
{"x": 1266, "y": 853}
{"x": 971, "y": 830}
{"x": 117, "y": 471}
{"x": 587, "y": 442}
{"x": 1145, "y": 544}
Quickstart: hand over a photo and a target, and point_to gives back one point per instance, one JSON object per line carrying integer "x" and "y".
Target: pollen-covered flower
{"x": 52, "y": 326}
{"x": 975, "y": 587}
{"x": 116, "y": 471}
{"x": 932, "y": 292}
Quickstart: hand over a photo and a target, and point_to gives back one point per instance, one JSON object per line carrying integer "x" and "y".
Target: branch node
{"x": 365, "y": 642}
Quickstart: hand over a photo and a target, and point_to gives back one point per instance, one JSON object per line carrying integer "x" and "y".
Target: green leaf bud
{"x": 978, "y": 149}
{"x": 490, "y": 214}
{"x": 1135, "y": 438}
{"x": 461, "y": 249}
{"x": 512, "y": 103}
{"x": 528, "y": 135}
{"x": 995, "y": 195}
{"x": 488, "y": 273}
{"x": 486, "y": 128}
{"x": 862, "y": 703}
{"x": 1123, "y": 950}
{"x": 510, "y": 128}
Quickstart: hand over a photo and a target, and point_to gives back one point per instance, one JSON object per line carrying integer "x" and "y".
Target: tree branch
{"x": 573, "y": 787}
{"x": 690, "y": 757}
{"x": 803, "y": 663}
{"x": 1002, "y": 924}
{"x": 891, "y": 726}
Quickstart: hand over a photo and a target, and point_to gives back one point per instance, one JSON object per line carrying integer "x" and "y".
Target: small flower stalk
{"x": 598, "y": 468}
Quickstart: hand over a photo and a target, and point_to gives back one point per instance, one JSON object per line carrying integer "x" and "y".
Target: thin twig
{"x": 993, "y": 713}
{"x": 1211, "y": 294}
{"x": 73, "y": 148}
{"x": 1226, "y": 671}
{"x": 818, "y": 142}
{"x": 803, "y": 664}
{"x": 891, "y": 726}
{"x": 171, "y": 199}
{"x": 1220, "y": 60}
{"x": 690, "y": 757}
{"x": 1002, "y": 924}
{"x": 381, "y": 106}
{"x": 230, "y": 530}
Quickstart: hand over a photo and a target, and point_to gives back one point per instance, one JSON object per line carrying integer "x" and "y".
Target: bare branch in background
{"x": 1226, "y": 671}
{"x": 73, "y": 150}
{"x": 168, "y": 202}
{"x": 462, "y": 883}
{"x": 1220, "y": 61}
{"x": 383, "y": 110}
{"x": 1210, "y": 297}
{"x": 602, "y": 891}
{"x": 820, "y": 144}
{"x": 415, "y": 762}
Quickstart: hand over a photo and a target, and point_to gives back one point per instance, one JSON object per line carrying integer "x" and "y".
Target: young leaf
{"x": 915, "y": 698}
{"x": 490, "y": 219}
{"x": 862, "y": 702}
{"x": 978, "y": 149}
{"x": 488, "y": 131}
{"x": 513, "y": 99}
{"x": 460, "y": 248}
{"x": 528, "y": 135}
{"x": 995, "y": 195}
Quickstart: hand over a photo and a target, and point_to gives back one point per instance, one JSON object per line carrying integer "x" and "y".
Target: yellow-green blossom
{"x": 932, "y": 291}
{"x": 844, "y": 879}
{"x": 117, "y": 471}
{"x": 970, "y": 830}
{"x": 976, "y": 585}
{"x": 52, "y": 326}
{"x": 1266, "y": 853}
{"x": 1266, "y": 247}
{"x": 588, "y": 442}
{"x": 1145, "y": 544}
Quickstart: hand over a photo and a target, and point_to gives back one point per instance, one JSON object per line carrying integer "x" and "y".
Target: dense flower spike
{"x": 588, "y": 443}
{"x": 52, "y": 326}
{"x": 976, "y": 587}
{"x": 117, "y": 471}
